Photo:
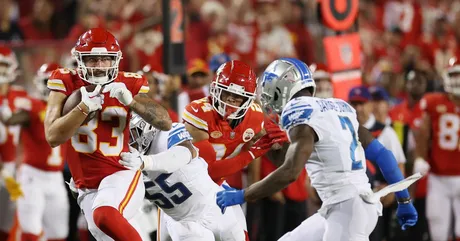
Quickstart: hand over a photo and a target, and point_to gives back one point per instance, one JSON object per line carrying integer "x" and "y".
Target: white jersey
{"x": 185, "y": 193}
{"x": 337, "y": 166}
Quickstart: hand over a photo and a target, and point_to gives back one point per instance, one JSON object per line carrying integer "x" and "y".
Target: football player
{"x": 225, "y": 125}
{"x": 12, "y": 100}
{"x": 177, "y": 181}
{"x": 45, "y": 206}
{"x": 109, "y": 194}
{"x": 440, "y": 126}
{"x": 324, "y": 134}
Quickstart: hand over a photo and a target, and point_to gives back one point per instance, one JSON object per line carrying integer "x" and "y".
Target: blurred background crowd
{"x": 405, "y": 47}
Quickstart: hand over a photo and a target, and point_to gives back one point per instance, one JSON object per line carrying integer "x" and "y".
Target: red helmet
{"x": 97, "y": 42}
{"x": 452, "y": 77}
{"x": 235, "y": 77}
{"x": 42, "y": 76}
{"x": 322, "y": 77}
{"x": 8, "y": 65}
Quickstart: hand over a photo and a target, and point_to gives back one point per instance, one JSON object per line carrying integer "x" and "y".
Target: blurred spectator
{"x": 40, "y": 25}
{"x": 217, "y": 60}
{"x": 322, "y": 77}
{"x": 215, "y": 16}
{"x": 158, "y": 84}
{"x": 197, "y": 85}
{"x": 9, "y": 28}
{"x": 243, "y": 32}
{"x": 296, "y": 24}
{"x": 404, "y": 117}
{"x": 274, "y": 39}
{"x": 196, "y": 32}
{"x": 360, "y": 98}
{"x": 380, "y": 101}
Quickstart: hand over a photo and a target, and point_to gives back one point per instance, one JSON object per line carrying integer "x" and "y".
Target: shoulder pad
{"x": 178, "y": 134}
{"x": 197, "y": 113}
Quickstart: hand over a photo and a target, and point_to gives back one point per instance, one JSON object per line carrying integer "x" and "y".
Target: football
{"x": 74, "y": 99}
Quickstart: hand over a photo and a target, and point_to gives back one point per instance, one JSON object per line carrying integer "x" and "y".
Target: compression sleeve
{"x": 387, "y": 163}
{"x": 222, "y": 168}
{"x": 167, "y": 161}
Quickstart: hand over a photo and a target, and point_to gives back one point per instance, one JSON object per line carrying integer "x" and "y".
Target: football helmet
{"x": 97, "y": 42}
{"x": 141, "y": 133}
{"x": 8, "y": 65}
{"x": 235, "y": 77}
{"x": 451, "y": 77}
{"x": 322, "y": 77}
{"x": 42, "y": 76}
{"x": 281, "y": 80}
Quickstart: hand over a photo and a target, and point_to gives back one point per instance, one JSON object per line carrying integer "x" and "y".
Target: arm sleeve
{"x": 386, "y": 161}
{"x": 222, "y": 168}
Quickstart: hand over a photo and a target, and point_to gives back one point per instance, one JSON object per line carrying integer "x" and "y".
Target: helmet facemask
{"x": 41, "y": 82}
{"x": 7, "y": 72}
{"x": 452, "y": 82}
{"x": 141, "y": 134}
{"x": 99, "y": 74}
{"x": 227, "y": 110}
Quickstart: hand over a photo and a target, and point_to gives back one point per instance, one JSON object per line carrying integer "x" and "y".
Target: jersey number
{"x": 14, "y": 131}
{"x": 90, "y": 145}
{"x": 449, "y": 125}
{"x": 55, "y": 159}
{"x": 346, "y": 124}
{"x": 160, "y": 200}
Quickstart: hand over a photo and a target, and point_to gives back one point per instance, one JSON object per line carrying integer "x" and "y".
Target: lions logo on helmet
{"x": 281, "y": 80}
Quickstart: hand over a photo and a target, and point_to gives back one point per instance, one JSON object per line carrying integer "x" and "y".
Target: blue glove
{"x": 229, "y": 197}
{"x": 407, "y": 215}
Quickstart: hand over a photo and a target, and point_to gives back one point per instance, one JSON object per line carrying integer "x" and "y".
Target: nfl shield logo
{"x": 346, "y": 53}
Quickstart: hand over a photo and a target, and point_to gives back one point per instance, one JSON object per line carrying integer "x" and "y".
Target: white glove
{"x": 118, "y": 90}
{"x": 131, "y": 160}
{"x": 420, "y": 165}
{"x": 6, "y": 112}
{"x": 92, "y": 100}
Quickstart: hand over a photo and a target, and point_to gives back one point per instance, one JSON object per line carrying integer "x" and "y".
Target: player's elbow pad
{"x": 387, "y": 163}
{"x": 168, "y": 161}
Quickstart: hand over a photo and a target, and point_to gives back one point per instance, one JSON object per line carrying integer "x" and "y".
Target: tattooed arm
{"x": 151, "y": 111}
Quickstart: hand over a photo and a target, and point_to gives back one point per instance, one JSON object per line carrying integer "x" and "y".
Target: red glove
{"x": 274, "y": 133}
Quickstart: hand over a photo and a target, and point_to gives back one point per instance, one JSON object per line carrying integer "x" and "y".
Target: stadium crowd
{"x": 406, "y": 48}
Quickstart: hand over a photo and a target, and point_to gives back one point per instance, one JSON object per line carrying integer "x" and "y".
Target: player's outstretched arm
{"x": 21, "y": 117}
{"x": 222, "y": 168}
{"x": 302, "y": 141}
{"x": 422, "y": 140}
{"x": 167, "y": 161}
{"x": 375, "y": 151}
{"x": 59, "y": 129}
{"x": 151, "y": 111}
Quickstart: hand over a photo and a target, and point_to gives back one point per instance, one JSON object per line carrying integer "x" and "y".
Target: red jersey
{"x": 94, "y": 151}
{"x": 37, "y": 151}
{"x": 9, "y": 135}
{"x": 445, "y": 132}
{"x": 227, "y": 142}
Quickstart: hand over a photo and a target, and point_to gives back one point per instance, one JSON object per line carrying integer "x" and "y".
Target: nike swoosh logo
{"x": 196, "y": 110}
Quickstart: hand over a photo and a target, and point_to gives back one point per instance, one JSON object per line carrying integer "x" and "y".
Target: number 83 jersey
{"x": 186, "y": 193}
{"x": 94, "y": 151}
{"x": 337, "y": 166}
